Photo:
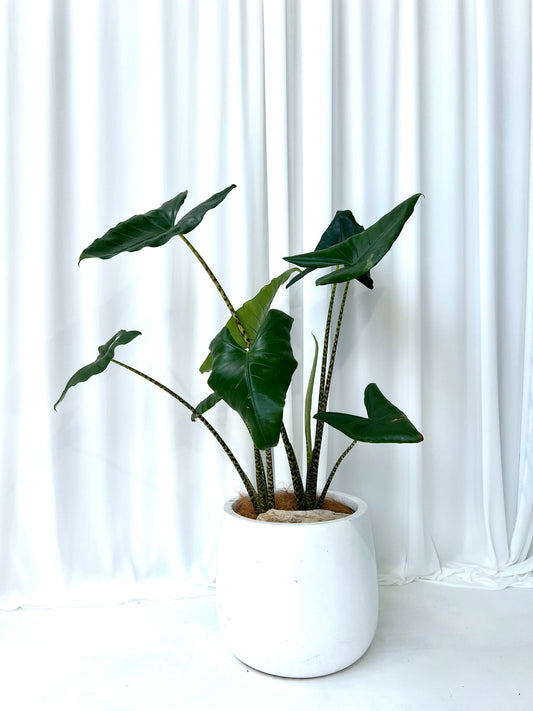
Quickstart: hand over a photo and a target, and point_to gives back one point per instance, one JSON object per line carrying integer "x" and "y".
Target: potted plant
{"x": 293, "y": 600}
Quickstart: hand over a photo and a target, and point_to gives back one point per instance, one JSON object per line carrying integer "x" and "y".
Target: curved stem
{"x": 219, "y": 289}
{"x": 333, "y": 472}
{"x": 240, "y": 471}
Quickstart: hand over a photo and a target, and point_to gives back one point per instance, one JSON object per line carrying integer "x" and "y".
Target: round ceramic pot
{"x": 298, "y": 600}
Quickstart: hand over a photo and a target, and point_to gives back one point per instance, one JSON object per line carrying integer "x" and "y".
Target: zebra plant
{"x": 250, "y": 362}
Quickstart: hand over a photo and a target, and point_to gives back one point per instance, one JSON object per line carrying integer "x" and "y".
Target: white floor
{"x": 436, "y": 648}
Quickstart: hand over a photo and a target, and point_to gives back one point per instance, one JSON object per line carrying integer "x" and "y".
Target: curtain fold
{"x": 112, "y": 107}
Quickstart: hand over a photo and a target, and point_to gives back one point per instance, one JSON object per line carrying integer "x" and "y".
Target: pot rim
{"x": 360, "y": 509}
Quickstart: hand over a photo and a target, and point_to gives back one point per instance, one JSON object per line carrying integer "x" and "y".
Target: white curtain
{"x": 113, "y": 106}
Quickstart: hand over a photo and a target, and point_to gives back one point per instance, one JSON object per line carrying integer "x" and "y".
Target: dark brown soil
{"x": 286, "y": 501}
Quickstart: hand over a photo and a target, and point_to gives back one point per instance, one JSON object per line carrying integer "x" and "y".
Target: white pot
{"x": 298, "y": 600}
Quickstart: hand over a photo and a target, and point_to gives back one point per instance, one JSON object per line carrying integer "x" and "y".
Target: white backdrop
{"x": 111, "y": 107}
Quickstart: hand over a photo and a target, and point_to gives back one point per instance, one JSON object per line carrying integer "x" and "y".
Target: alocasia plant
{"x": 250, "y": 362}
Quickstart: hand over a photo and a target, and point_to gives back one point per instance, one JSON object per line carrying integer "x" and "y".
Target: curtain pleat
{"x": 112, "y": 107}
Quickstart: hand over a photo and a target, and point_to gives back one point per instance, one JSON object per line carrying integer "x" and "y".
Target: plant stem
{"x": 270, "y": 479}
{"x": 334, "y": 346}
{"x": 220, "y": 290}
{"x": 325, "y": 349}
{"x": 295, "y": 471}
{"x": 325, "y": 385}
{"x": 240, "y": 471}
{"x": 261, "y": 482}
{"x": 312, "y": 465}
{"x": 332, "y": 474}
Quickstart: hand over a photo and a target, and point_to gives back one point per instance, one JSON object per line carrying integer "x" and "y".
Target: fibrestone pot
{"x": 298, "y": 600}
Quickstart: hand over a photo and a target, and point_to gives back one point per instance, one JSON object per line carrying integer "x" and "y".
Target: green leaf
{"x": 206, "y": 404}
{"x": 252, "y": 314}
{"x": 254, "y": 382}
{"x": 358, "y": 254}
{"x": 193, "y": 218}
{"x": 152, "y": 229}
{"x": 385, "y": 422}
{"x": 342, "y": 227}
{"x": 105, "y": 354}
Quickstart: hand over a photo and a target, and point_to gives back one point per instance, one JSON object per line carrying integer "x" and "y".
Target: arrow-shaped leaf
{"x": 252, "y": 314}
{"x": 152, "y": 229}
{"x": 385, "y": 422}
{"x": 362, "y": 251}
{"x": 105, "y": 355}
{"x": 254, "y": 382}
{"x": 342, "y": 227}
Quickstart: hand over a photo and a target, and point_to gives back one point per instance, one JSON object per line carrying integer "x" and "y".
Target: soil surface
{"x": 286, "y": 501}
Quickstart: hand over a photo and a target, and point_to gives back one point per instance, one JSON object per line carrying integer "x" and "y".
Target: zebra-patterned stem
{"x": 312, "y": 474}
{"x": 323, "y": 368}
{"x": 219, "y": 289}
{"x": 321, "y": 500}
{"x": 295, "y": 471}
{"x": 260, "y": 482}
{"x": 312, "y": 467}
{"x": 240, "y": 471}
{"x": 334, "y": 346}
{"x": 270, "y": 478}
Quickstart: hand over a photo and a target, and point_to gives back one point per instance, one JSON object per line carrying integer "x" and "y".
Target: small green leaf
{"x": 361, "y": 252}
{"x": 385, "y": 422}
{"x": 342, "y": 227}
{"x": 105, "y": 355}
{"x": 152, "y": 229}
{"x": 254, "y": 382}
{"x": 252, "y": 313}
{"x": 206, "y": 404}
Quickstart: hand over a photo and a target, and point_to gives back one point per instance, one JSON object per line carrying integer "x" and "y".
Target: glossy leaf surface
{"x": 358, "y": 254}
{"x": 252, "y": 313}
{"x": 254, "y": 382}
{"x": 153, "y": 228}
{"x": 342, "y": 227}
{"x": 105, "y": 355}
{"x": 385, "y": 422}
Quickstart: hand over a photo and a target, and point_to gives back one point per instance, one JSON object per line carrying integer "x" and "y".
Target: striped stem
{"x": 325, "y": 385}
{"x": 295, "y": 471}
{"x": 270, "y": 479}
{"x": 240, "y": 471}
{"x": 260, "y": 481}
{"x": 333, "y": 472}
{"x": 220, "y": 290}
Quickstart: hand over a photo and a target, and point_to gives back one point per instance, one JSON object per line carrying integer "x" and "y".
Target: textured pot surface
{"x": 298, "y": 600}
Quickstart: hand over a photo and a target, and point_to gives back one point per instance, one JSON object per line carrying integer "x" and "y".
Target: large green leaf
{"x": 252, "y": 314}
{"x": 105, "y": 354}
{"x": 254, "y": 382}
{"x": 342, "y": 227}
{"x": 385, "y": 422}
{"x": 152, "y": 229}
{"x": 358, "y": 254}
